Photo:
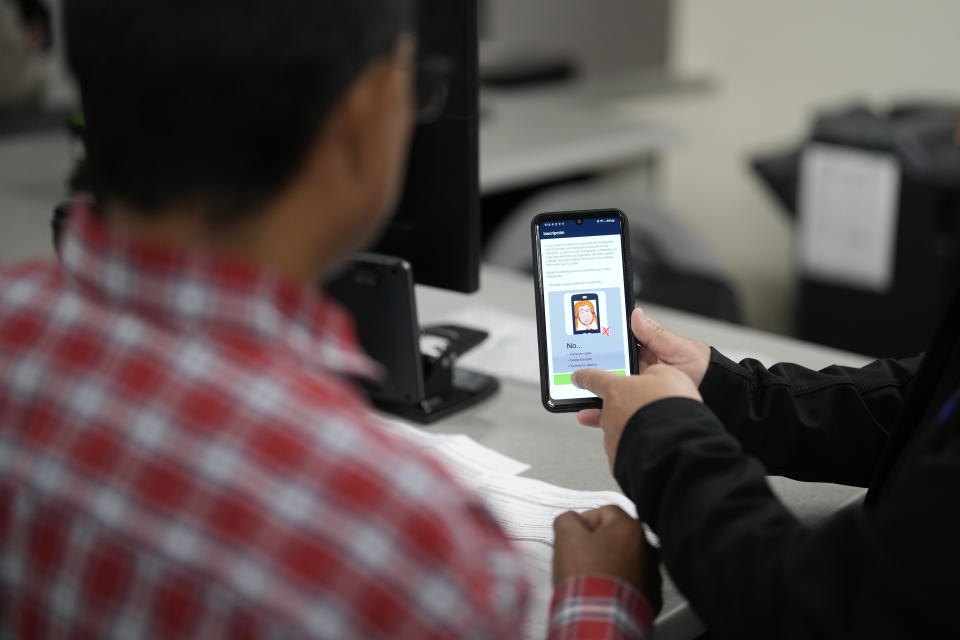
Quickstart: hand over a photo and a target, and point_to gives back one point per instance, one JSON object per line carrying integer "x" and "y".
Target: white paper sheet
{"x": 539, "y": 560}
{"x": 511, "y": 350}
{"x": 463, "y": 456}
{"x": 848, "y": 205}
{"x": 524, "y": 507}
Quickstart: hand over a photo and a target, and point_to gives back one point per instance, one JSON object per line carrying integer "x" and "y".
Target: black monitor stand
{"x": 447, "y": 387}
{"x": 419, "y": 386}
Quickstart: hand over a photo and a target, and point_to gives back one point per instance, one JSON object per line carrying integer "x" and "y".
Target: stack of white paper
{"x": 461, "y": 454}
{"x": 524, "y": 507}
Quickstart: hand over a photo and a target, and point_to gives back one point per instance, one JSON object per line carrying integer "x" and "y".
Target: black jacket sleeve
{"x": 751, "y": 570}
{"x": 818, "y": 426}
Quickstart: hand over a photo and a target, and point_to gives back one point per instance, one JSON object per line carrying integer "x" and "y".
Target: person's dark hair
{"x": 215, "y": 101}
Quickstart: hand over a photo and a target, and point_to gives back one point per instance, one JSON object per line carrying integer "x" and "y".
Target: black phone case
{"x": 566, "y": 406}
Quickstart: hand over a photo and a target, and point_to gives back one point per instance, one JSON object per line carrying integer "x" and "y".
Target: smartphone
{"x": 583, "y": 289}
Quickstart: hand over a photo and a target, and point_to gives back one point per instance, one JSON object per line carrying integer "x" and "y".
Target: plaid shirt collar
{"x": 199, "y": 293}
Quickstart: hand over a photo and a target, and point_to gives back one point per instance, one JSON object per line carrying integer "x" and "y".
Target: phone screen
{"x": 583, "y": 302}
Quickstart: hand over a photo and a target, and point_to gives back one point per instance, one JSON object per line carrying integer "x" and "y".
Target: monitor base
{"x": 466, "y": 389}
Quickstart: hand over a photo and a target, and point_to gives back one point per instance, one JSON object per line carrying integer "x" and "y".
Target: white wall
{"x": 774, "y": 61}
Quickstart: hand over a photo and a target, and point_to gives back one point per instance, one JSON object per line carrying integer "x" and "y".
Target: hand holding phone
{"x": 584, "y": 299}
{"x": 623, "y": 397}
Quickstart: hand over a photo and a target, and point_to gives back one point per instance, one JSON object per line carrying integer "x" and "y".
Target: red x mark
{"x": 606, "y": 331}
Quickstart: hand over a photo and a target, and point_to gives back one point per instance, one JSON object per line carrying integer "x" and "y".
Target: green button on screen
{"x": 561, "y": 379}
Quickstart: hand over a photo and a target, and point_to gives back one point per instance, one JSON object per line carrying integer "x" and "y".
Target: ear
{"x": 376, "y": 105}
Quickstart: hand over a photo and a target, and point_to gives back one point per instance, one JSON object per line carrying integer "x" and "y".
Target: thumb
{"x": 664, "y": 344}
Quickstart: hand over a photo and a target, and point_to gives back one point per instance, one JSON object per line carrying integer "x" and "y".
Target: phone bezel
{"x": 564, "y": 406}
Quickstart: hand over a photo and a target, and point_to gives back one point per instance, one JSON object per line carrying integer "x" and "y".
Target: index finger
{"x": 595, "y": 380}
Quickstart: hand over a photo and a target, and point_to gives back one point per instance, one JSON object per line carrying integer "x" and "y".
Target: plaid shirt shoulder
{"x": 178, "y": 457}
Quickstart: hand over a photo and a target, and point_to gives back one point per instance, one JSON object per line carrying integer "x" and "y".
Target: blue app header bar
{"x": 570, "y": 228}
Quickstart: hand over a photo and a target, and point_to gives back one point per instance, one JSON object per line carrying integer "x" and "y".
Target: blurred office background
{"x": 656, "y": 106}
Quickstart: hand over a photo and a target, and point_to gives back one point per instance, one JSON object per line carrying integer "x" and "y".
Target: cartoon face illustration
{"x": 585, "y": 313}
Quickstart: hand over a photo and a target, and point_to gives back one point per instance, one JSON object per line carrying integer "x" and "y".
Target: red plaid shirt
{"x": 181, "y": 455}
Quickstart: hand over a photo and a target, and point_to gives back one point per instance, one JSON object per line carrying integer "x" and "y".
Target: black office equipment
{"x": 378, "y": 290}
{"x": 420, "y": 383}
{"x": 899, "y": 321}
{"x": 437, "y": 224}
{"x": 434, "y": 238}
